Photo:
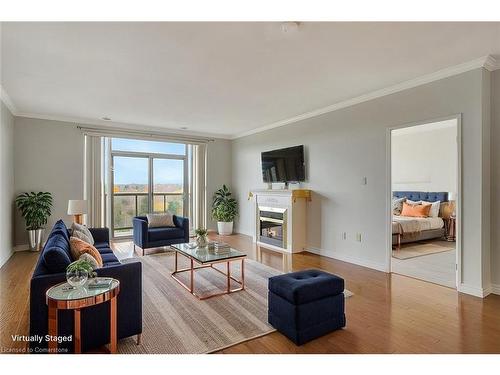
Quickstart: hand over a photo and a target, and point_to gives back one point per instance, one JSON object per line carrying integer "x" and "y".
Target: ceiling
{"x": 223, "y": 79}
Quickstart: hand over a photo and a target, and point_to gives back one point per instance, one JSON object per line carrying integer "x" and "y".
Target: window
{"x": 147, "y": 176}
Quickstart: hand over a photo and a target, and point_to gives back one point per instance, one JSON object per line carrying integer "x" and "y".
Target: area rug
{"x": 176, "y": 322}
{"x": 414, "y": 250}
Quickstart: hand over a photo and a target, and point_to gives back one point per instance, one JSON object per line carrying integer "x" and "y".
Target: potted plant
{"x": 78, "y": 272}
{"x": 201, "y": 237}
{"x": 35, "y": 209}
{"x": 224, "y": 210}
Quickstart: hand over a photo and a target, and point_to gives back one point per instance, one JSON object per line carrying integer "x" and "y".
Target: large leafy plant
{"x": 224, "y": 206}
{"x": 35, "y": 208}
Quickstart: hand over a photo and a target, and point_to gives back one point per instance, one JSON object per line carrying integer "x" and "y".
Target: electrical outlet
{"x": 358, "y": 237}
{"x": 344, "y": 235}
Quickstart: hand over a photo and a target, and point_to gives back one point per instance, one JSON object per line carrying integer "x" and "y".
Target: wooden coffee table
{"x": 207, "y": 259}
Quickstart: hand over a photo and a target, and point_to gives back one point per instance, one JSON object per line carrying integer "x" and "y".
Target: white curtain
{"x": 198, "y": 186}
{"x": 94, "y": 183}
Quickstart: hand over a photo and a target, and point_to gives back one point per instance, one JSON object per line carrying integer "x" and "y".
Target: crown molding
{"x": 491, "y": 63}
{"x": 487, "y": 62}
{"x": 7, "y": 101}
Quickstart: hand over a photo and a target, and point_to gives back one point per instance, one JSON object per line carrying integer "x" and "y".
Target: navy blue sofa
{"x": 146, "y": 238}
{"x": 51, "y": 270}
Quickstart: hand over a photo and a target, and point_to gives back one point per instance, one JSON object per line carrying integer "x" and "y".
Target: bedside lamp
{"x": 452, "y": 198}
{"x": 77, "y": 208}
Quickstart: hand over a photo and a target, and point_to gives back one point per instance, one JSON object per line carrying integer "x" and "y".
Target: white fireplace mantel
{"x": 294, "y": 205}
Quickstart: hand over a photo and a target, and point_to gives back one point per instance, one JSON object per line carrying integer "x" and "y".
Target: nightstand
{"x": 450, "y": 229}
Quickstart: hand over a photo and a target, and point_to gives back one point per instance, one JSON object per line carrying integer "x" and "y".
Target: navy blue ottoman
{"x": 306, "y": 304}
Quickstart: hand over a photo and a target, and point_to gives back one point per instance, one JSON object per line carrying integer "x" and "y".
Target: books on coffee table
{"x": 100, "y": 282}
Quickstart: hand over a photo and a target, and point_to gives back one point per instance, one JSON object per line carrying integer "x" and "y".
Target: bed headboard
{"x": 432, "y": 196}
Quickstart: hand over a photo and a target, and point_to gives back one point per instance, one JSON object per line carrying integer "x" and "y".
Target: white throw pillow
{"x": 434, "y": 211}
{"x": 82, "y": 236}
{"x": 160, "y": 220}
{"x": 409, "y": 201}
{"x": 82, "y": 229}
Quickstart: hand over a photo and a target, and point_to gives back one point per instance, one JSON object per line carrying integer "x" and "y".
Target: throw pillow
{"x": 413, "y": 203}
{"x": 419, "y": 210}
{"x": 82, "y": 228}
{"x": 82, "y": 236}
{"x": 89, "y": 258}
{"x": 397, "y": 205}
{"x": 434, "y": 212}
{"x": 79, "y": 247}
{"x": 160, "y": 220}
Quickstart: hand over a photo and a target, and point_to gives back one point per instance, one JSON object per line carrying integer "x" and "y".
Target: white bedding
{"x": 417, "y": 224}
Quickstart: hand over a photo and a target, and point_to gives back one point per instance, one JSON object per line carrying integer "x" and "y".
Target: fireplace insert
{"x": 272, "y": 226}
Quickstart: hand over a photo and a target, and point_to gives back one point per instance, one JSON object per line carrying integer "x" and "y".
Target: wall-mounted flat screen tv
{"x": 283, "y": 165}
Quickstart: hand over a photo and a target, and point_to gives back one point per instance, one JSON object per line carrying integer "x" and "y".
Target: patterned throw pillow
{"x": 79, "y": 247}
{"x": 82, "y": 229}
{"x": 160, "y": 220}
{"x": 397, "y": 205}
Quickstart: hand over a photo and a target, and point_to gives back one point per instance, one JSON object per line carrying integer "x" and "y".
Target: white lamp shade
{"x": 77, "y": 207}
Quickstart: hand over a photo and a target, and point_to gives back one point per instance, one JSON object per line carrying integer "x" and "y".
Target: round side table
{"x": 59, "y": 297}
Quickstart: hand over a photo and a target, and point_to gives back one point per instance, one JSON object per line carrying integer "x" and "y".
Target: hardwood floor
{"x": 387, "y": 314}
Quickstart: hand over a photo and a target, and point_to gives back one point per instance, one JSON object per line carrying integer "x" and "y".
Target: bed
{"x": 412, "y": 229}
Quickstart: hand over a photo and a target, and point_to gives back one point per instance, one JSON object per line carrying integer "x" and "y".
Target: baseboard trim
{"x": 344, "y": 258}
{"x": 474, "y": 290}
{"x": 495, "y": 289}
{"x": 22, "y": 247}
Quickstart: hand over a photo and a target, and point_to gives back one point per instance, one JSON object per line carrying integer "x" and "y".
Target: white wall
{"x": 6, "y": 183}
{"x": 48, "y": 156}
{"x": 345, "y": 145}
{"x": 424, "y": 158}
{"x": 218, "y": 172}
{"x": 495, "y": 180}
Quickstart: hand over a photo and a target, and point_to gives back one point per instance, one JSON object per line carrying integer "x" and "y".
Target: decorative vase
{"x": 225, "y": 228}
{"x": 77, "y": 278}
{"x": 201, "y": 241}
{"x": 35, "y": 239}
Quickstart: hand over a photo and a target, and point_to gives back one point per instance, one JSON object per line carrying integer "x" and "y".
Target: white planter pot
{"x": 225, "y": 228}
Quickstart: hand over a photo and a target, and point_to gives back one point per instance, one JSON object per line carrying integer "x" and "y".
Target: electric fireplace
{"x": 272, "y": 226}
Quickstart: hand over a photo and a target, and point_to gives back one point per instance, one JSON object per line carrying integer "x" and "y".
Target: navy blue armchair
{"x": 95, "y": 329}
{"x": 146, "y": 237}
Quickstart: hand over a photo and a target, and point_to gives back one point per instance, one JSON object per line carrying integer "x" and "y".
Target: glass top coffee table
{"x": 207, "y": 259}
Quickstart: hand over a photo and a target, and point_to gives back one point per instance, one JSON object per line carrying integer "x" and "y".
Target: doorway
{"x": 425, "y": 200}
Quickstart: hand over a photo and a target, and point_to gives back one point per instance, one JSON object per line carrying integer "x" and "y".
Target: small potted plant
{"x": 224, "y": 210}
{"x": 201, "y": 237}
{"x": 35, "y": 209}
{"x": 78, "y": 272}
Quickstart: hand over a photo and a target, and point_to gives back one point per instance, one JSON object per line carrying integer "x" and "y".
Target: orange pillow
{"x": 417, "y": 210}
{"x": 79, "y": 247}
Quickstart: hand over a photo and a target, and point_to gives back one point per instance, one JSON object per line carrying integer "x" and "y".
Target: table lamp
{"x": 77, "y": 208}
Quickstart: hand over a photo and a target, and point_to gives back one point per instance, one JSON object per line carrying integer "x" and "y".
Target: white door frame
{"x": 458, "y": 202}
